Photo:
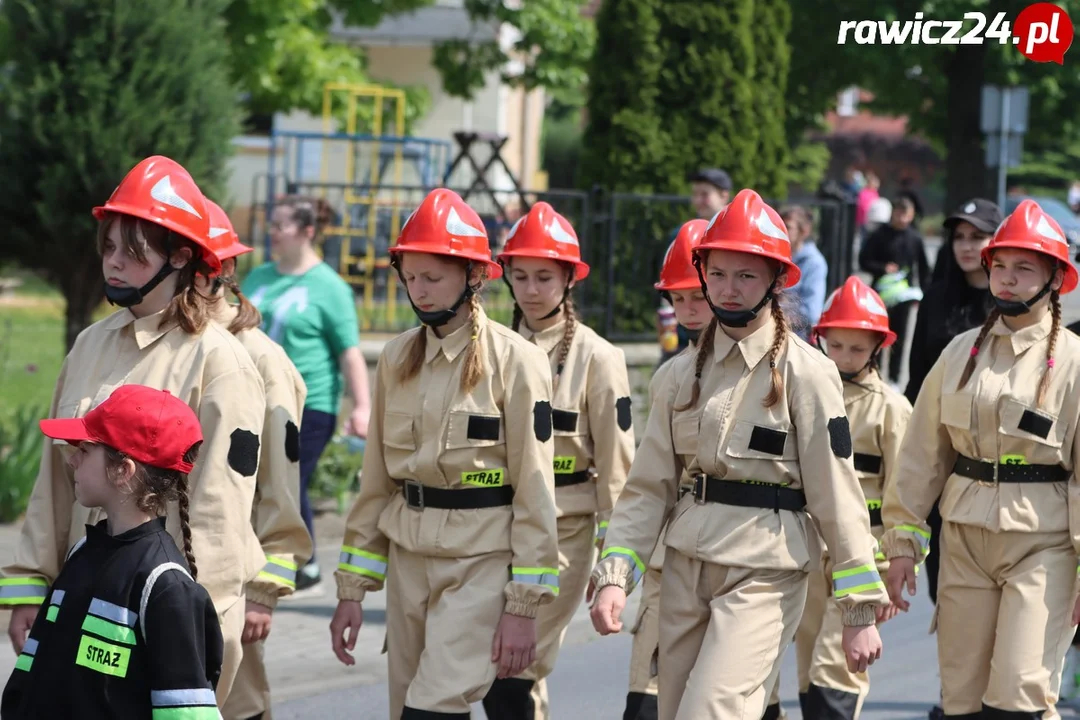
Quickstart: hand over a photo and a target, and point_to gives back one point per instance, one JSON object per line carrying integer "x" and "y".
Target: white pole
{"x": 1003, "y": 148}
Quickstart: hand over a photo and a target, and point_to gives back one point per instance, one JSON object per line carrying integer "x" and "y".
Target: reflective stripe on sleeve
{"x": 361, "y": 562}
{"x": 638, "y": 565}
{"x": 921, "y": 535}
{"x": 184, "y": 704}
{"x": 279, "y": 570}
{"x": 548, "y": 577}
{"x": 856, "y": 580}
{"x": 23, "y": 591}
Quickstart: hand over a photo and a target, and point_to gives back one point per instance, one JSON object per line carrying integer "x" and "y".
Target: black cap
{"x": 983, "y": 214}
{"x": 714, "y": 176}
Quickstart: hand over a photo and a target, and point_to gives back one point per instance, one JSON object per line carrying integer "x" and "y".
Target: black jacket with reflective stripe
{"x": 94, "y": 652}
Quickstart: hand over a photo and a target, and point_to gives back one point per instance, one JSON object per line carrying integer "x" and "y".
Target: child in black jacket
{"x": 125, "y": 632}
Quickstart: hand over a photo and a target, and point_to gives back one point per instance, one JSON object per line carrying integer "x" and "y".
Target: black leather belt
{"x": 419, "y": 496}
{"x": 990, "y": 472}
{"x": 748, "y": 494}
{"x": 567, "y": 479}
{"x": 868, "y": 463}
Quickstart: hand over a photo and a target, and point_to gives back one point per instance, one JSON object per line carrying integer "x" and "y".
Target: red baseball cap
{"x": 148, "y": 425}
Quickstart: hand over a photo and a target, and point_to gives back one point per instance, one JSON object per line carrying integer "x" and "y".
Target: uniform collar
{"x": 753, "y": 347}
{"x": 145, "y": 329}
{"x": 453, "y": 344}
{"x": 548, "y": 339}
{"x": 870, "y": 384}
{"x": 1023, "y": 339}
{"x": 98, "y": 535}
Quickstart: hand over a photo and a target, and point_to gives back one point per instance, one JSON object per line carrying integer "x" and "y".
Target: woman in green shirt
{"x": 311, "y": 312}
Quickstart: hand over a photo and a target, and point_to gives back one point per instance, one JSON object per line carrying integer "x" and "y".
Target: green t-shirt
{"x": 313, "y": 317}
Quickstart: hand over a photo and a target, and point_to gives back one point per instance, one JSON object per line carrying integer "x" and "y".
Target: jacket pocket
{"x": 470, "y": 430}
{"x": 762, "y": 442}
{"x": 1032, "y": 424}
{"x": 684, "y": 434}
{"x": 398, "y": 431}
{"x": 956, "y": 409}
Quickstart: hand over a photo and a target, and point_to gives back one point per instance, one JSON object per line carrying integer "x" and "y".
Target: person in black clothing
{"x": 125, "y": 633}
{"x": 896, "y": 248}
{"x": 957, "y": 300}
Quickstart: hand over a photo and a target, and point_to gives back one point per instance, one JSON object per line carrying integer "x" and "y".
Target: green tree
{"x": 552, "y": 50}
{"x": 771, "y": 24}
{"x": 78, "y": 109}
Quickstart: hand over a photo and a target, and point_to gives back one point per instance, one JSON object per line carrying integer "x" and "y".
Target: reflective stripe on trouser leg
{"x": 577, "y": 552}
{"x": 725, "y": 653}
{"x": 429, "y": 600}
{"x": 646, "y": 644}
{"x": 250, "y": 695}
{"x": 232, "y": 629}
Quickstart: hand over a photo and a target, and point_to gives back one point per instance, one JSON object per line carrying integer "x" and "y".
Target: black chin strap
{"x": 554, "y": 311}
{"x": 438, "y": 318}
{"x": 734, "y": 318}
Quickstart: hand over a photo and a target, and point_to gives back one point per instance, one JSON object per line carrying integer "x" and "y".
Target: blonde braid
{"x": 1044, "y": 381}
{"x": 780, "y": 333}
{"x": 705, "y": 343}
{"x": 568, "y": 338}
{"x": 970, "y": 367}
{"x": 473, "y": 369}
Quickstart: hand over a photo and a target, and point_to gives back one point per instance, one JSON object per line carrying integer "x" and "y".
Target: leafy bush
{"x": 20, "y": 454}
{"x": 337, "y": 473}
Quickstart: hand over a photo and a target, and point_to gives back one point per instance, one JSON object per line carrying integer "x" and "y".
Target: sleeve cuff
{"x": 347, "y": 589}
{"x": 521, "y": 608}
{"x": 859, "y": 616}
{"x": 261, "y": 595}
{"x": 895, "y": 547}
{"x": 603, "y": 579}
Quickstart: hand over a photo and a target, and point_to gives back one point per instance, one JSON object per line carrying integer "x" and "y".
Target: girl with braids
{"x": 852, "y": 331}
{"x": 153, "y": 242}
{"x": 456, "y": 512}
{"x": 680, "y": 284}
{"x": 275, "y": 517}
{"x": 756, "y": 417}
{"x": 311, "y": 312}
{"x": 994, "y": 434}
{"x": 593, "y": 430}
{"x": 125, "y": 631}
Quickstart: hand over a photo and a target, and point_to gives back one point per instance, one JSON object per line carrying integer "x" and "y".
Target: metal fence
{"x": 623, "y": 237}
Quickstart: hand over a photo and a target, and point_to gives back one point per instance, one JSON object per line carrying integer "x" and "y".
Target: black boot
{"x": 772, "y": 712}
{"x": 510, "y": 699}
{"x": 828, "y": 704}
{"x": 802, "y": 705}
{"x": 640, "y": 706}
{"x": 413, "y": 714}
{"x": 992, "y": 713}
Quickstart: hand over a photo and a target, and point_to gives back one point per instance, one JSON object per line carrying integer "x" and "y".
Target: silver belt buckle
{"x": 699, "y": 489}
{"x": 413, "y": 488}
{"x": 994, "y": 482}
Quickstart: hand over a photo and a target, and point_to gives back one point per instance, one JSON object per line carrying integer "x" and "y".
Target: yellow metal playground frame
{"x": 379, "y": 97}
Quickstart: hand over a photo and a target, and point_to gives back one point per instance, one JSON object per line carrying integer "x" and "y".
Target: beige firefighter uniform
{"x": 429, "y": 445}
{"x": 276, "y": 511}
{"x": 214, "y": 374}
{"x": 1004, "y": 468}
{"x": 594, "y": 446}
{"x": 734, "y": 578}
{"x": 878, "y": 416}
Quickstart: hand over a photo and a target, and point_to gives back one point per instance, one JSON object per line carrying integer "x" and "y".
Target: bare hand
{"x": 257, "y": 620}
{"x": 901, "y": 573}
{"x": 357, "y": 423}
{"x": 886, "y": 613}
{"x": 590, "y": 591}
{"x": 348, "y": 617}
{"x": 608, "y": 609}
{"x": 862, "y": 646}
{"x": 22, "y": 619}
{"x": 514, "y": 647}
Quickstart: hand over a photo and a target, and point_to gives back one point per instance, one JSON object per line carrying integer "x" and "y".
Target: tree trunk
{"x": 966, "y": 174}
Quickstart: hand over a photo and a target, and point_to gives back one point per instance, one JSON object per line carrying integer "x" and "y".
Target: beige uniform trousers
{"x": 577, "y": 552}
{"x": 441, "y": 618}
{"x": 232, "y": 629}
{"x": 643, "y": 677}
{"x": 1004, "y": 618}
{"x": 250, "y": 694}
{"x": 723, "y": 632}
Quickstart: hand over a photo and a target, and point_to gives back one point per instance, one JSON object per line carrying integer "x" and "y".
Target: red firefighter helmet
{"x": 222, "y": 238}
{"x": 1030, "y": 228}
{"x": 678, "y": 272}
{"x": 856, "y": 306}
{"x": 749, "y": 225}
{"x": 444, "y": 224}
{"x": 161, "y": 191}
{"x": 544, "y": 233}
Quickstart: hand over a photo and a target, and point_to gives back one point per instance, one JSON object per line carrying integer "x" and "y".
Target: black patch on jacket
{"x": 623, "y": 415}
{"x": 244, "y": 452}
{"x": 564, "y": 420}
{"x": 840, "y": 436}
{"x": 767, "y": 440}
{"x": 483, "y": 428}
{"x": 1035, "y": 424}
{"x": 868, "y": 463}
{"x": 542, "y": 420}
{"x": 292, "y": 441}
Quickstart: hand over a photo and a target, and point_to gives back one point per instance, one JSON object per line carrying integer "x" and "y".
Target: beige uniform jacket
{"x": 879, "y": 418}
{"x": 802, "y": 442}
{"x": 993, "y": 418}
{"x": 592, "y": 419}
{"x": 276, "y": 510}
{"x": 428, "y": 431}
{"x": 217, "y": 378}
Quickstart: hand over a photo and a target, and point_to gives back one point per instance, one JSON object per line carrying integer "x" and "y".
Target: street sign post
{"x": 1003, "y": 119}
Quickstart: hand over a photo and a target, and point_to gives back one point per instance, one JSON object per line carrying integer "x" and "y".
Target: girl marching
{"x": 746, "y": 416}
{"x": 456, "y": 512}
{"x": 593, "y": 430}
{"x": 153, "y": 242}
{"x": 994, "y": 433}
